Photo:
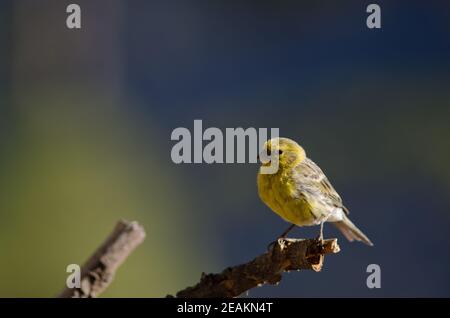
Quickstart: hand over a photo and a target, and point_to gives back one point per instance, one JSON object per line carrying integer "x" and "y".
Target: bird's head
{"x": 285, "y": 151}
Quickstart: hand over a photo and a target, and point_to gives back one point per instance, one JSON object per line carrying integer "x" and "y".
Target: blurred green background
{"x": 86, "y": 117}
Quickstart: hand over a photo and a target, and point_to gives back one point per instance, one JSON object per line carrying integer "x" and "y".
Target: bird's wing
{"x": 312, "y": 183}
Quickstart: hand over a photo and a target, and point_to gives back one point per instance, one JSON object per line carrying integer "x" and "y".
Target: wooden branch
{"x": 286, "y": 255}
{"x": 98, "y": 272}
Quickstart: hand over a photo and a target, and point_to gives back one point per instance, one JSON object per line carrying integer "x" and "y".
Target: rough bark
{"x": 286, "y": 255}
{"x": 98, "y": 272}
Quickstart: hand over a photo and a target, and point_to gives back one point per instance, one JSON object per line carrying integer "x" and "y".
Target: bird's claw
{"x": 273, "y": 244}
{"x": 319, "y": 238}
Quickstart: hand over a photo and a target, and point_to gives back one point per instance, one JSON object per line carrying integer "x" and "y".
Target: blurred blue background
{"x": 86, "y": 117}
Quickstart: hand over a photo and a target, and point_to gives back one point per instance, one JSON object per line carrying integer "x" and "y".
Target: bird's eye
{"x": 280, "y": 152}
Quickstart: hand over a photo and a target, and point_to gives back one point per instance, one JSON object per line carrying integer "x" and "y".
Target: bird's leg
{"x": 283, "y": 235}
{"x": 320, "y": 237}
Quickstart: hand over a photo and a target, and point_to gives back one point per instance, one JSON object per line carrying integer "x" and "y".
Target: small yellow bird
{"x": 300, "y": 192}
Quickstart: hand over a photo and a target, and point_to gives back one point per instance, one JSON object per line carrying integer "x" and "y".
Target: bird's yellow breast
{"x": 278, "y": 192}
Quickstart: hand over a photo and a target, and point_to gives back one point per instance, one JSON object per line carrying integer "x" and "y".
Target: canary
{"x": 300, "y": 192}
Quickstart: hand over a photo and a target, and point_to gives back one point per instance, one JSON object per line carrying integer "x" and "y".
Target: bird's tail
{"x": 351, "y": 232}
